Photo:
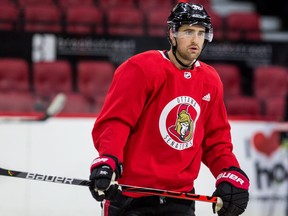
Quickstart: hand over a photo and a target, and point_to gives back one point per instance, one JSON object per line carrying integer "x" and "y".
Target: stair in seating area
{"x": 270, "y": 25}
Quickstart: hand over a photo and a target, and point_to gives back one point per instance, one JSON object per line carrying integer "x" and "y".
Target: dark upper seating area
{"x": 118, "y": 17}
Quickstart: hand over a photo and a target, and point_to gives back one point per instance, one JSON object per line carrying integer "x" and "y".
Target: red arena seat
{"x": 84, "y": 20}
{"x": 244, "y": 106}
{"x": 72, "y": 3}
{"x": 243, "y": 25}
{"x": 125, "y": 21}
{"x": 231, "y": 78}
{"x": 94, "y": 79}
{"x": 275, "y": 108}
{"x": 77, "y": 103}
{"x": 42, "y": 18}
{"x": 24, "y": 3}
{"x": 147, "y": 5}
{"x": 157, "y": 21}
{"x": 51, "y": 78}
{"x": 16, "y": 102}
{"x": 270, "y": 81}
{"x": 106, "y": 4}
{"x": 9, "y": 17}
{"x": 14, "y": 75}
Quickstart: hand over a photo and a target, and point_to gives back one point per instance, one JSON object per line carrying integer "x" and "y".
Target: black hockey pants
{"x": 148, "y": 206}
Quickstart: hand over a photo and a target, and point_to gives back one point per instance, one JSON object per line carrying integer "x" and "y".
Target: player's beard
{"x": 186, "y": 55}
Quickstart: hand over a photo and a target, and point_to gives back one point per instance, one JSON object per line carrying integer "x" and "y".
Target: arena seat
{"x": 42, "y": 18}
{"x": 94, "y": 79}
{"x": 244, "y": 106}
{"x": 83, "y": 20}
{"x": 125, "y": 21}
{"x": 218, "y": 26}
{"x": 275, "y": 108}
{"x": 77, "y": 103}
{"x": 243, "y": 25}
{"x": 50, "y": 78}
{"x": 24, "y": 3}
{"x": 231, "y": 78}
{"x": 107, "y": 4}
{"x": 147, "y": 5}
{"x": 16, "y": 102}
{"x": 74, "y": 3}
{"x": 14, "y": 75}
{"x": 157, "y": 21}
{"x": 270, "y": 81}
{"x": 9, "y": 17}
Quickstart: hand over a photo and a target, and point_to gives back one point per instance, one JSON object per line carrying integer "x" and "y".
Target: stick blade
{"x": 56, "y": 105}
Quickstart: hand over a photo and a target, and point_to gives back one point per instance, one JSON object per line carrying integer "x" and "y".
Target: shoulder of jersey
{"x": 148, "y": 56}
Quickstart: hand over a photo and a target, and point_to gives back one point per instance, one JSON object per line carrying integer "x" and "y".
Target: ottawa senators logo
{"x": 183, "y": 127}
{"x": 178, "y": 122}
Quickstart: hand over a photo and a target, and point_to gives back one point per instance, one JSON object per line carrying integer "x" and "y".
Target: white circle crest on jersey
{"x": 178, "y": 121}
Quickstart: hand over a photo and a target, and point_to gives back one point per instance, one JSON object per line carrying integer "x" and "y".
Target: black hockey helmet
{"x": 192, "y": 14}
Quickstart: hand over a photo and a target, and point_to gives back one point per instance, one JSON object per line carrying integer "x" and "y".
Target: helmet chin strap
{"x": 174, "y": 48}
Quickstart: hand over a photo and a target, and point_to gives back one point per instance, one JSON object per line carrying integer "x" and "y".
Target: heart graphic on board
{"x": 266, "y": 144}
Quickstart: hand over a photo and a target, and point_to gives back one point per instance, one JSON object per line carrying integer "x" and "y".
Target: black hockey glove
{"x": 232, "y": 187}
{"x": 105, "y": 171}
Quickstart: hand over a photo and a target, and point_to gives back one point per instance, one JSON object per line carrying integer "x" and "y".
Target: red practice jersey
{"x": 161, "y": 122}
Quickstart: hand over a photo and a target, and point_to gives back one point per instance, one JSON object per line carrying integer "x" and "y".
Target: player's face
{"x": 190, "y": 40}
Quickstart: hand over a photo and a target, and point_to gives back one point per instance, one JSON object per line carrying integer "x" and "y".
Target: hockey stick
{"x": 125, "y": 188}
{"x": 172, "y": 194}
{"x": 46, "y": 178}
{"x": 54, "y": 108}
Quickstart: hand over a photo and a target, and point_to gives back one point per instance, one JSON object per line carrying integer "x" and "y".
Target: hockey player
{"x": 163, "y": 115}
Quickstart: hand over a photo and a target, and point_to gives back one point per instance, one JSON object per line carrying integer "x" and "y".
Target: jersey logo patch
{"x": 183, "y": 127}
{"x": 177, "y": 122}
{"x": 187, "y": 74}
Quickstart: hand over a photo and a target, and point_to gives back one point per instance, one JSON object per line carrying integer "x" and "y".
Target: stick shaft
{"x": 125, "y": 188}
{"x": 166, "y": 193}
{"x": 46, "y": 178}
